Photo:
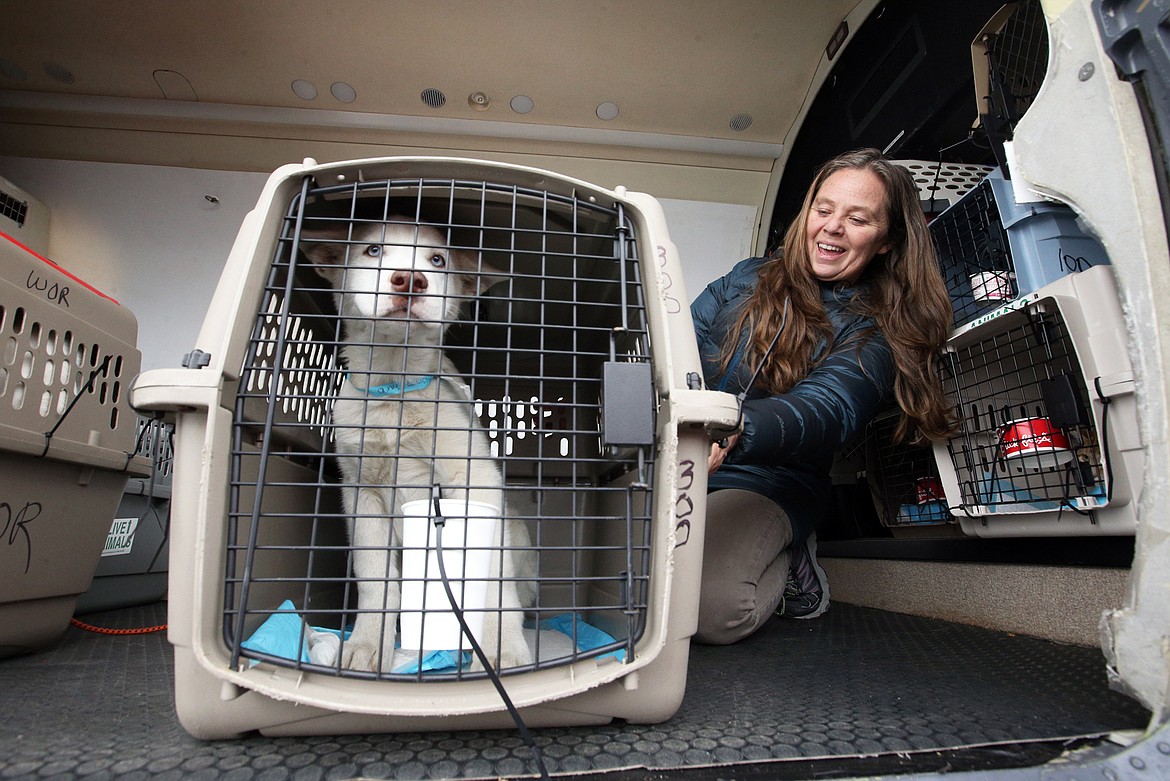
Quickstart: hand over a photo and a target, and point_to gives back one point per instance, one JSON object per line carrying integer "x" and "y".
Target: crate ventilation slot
{"x": 13, "y": 208}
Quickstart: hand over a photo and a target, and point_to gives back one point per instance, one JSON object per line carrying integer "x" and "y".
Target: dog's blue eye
{"x": 374, "y": 250}
{"x": 438, "y": 261}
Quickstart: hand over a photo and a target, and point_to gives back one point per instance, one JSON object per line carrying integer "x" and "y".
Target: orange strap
{"x": 106, "y": 631}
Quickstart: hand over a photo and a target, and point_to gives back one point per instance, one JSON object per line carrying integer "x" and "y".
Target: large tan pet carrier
{"x": 573, "y": 503}
{"x": 67, "y": 438}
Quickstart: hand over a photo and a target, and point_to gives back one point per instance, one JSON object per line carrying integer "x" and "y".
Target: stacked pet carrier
{"x": 941, "y": 185}
{"x": 1038, "y": 364}
{"x": 67, "y": 434}
{"x": 578, "y": 363}
{"x": 1048, "y": 442}
{"x": 903, "y": 478}
{"x": 993, "y": 250}
{"x": 133, "y": 566}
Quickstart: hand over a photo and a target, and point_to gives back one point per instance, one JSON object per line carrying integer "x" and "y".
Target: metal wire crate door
{"x": 1022, "y": 374}
{"x": 556, "y": 360}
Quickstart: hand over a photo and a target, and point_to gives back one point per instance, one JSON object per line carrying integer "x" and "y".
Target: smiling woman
{"x": 815, "y": 340}
{"x": 846, "y": 225}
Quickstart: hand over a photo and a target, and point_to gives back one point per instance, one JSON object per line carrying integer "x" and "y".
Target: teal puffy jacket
{"x": 786, "y": 448}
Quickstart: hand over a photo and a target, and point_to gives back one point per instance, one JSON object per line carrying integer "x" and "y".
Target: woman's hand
{"x": 719, "y": 451}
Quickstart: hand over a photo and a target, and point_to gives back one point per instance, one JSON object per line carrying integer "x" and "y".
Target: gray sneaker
{"x": 806, "y": 594}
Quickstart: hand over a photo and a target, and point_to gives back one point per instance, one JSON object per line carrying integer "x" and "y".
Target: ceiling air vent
{"x": 433, "y": 98}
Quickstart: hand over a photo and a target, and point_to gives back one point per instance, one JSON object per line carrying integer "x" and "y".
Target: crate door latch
{"x": 627, "y": 404}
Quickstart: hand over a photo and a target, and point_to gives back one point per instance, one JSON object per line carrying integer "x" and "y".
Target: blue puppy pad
{"x": 588, "y": 637}
{"x": 435, "y": 661}
{"x": 282, "y": 634}
{"x": 285, "y": 630}
{"x": 928, "y": 512}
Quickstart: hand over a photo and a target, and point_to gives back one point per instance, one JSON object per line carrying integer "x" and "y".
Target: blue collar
{"x": 394, "y": 388}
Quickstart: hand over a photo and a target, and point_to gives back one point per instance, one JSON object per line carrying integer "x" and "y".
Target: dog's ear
{"x": 478, "y": 276}
{"x": 325, "y": 248}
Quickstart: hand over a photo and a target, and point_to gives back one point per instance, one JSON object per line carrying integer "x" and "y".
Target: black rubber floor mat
{"x": 855, "y": 681}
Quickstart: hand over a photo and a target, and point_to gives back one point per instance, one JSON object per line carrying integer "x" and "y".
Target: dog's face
{"x": 395, "y": 271}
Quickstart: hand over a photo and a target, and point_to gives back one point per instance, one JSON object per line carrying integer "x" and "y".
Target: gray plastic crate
{"x": 67, "y": 435}
{"x": 133, "y": 566}
{"x": 992, "y": 250}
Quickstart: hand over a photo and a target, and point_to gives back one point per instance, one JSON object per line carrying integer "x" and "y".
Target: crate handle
{"x": 174, "y": 390}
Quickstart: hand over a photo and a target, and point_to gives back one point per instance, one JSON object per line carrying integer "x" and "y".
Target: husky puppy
{"x": 404, "y": 423}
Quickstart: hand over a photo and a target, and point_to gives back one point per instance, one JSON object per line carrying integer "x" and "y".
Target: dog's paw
{"x": 514, "y": 652}
{"x": 360, "y": 656}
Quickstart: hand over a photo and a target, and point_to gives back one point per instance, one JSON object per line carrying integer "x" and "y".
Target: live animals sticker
{"x": 121, "y": 537}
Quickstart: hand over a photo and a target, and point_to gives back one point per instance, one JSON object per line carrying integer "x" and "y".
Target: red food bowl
{"x": 929, "y": 489}
{"x": 1033, "y": 445}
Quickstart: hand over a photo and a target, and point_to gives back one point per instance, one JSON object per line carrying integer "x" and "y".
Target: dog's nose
{"x": 408, "y": 282}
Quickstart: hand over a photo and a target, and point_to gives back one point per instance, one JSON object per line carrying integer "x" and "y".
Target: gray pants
{"x": 745, "y": 565}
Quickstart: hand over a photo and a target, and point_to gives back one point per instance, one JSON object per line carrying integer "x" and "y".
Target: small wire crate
{"x": 992, "y": 250}
{"x": 565, "y": 413}
{"x": 67, "y": 356}
{"x": 903, "y": 478}
{"x": 1048, "y": 441}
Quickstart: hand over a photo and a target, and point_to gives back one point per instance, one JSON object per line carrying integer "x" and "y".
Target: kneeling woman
{"x": 817, "y": 338}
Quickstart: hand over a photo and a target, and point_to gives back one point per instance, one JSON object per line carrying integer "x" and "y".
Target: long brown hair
{"x": 903, "y": 292}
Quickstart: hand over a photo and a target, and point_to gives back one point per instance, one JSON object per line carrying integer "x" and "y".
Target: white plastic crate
{"x": 582, "y": 366}
{"x": 1049, "y": 439}
{"x": 940, "y": 184}
{"x": 67, "y": 436}
{"x": 992, "y": 250}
